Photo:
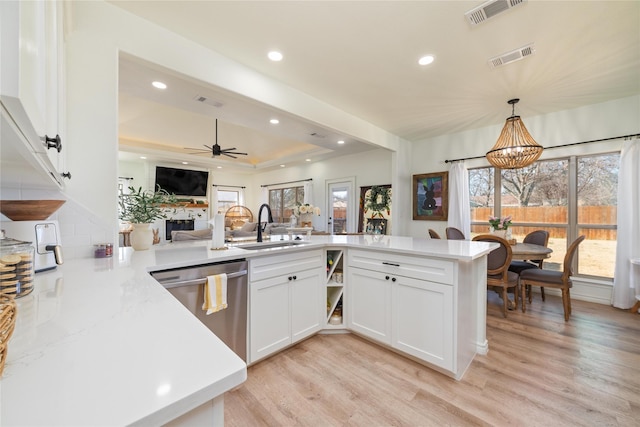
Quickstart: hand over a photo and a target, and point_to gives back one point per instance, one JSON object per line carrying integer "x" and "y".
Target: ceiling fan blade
{"x": 229, "y": 155}
{"x": 230, "y": 151}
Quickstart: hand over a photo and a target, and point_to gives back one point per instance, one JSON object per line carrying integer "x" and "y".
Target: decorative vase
{"x": 305, "y": 220}
{"x": 500, "y": 233}
{"x": 141, "y": 237}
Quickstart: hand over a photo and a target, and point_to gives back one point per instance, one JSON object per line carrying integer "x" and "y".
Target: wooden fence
{"x": 596, "y": 215}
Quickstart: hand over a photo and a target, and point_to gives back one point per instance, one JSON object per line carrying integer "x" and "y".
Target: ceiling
{"x": 361, "y": 56}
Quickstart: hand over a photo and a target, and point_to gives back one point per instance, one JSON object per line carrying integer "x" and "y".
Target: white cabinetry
{"x": 423, "y": 320}
{"x": 369, "y": 303}
{"x": 32, "y": 84}
{"x": 285, "y": 301}
{"x": 406, "y": 302}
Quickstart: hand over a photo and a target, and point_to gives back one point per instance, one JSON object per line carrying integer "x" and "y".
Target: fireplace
{"x": 177, "y": 224}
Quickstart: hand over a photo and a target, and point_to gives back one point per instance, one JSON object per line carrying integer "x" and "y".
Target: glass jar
{"x": 103, "y": 250}
{"x": 16, "y": 266}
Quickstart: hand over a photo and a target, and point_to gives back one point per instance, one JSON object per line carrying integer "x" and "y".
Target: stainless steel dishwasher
{"x": 187, "y": 285}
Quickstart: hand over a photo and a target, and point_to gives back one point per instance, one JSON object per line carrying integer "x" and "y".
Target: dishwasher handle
{"x": 199, "y": 281}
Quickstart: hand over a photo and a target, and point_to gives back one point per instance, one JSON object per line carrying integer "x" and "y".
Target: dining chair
{"x": 433, "y": 234}
{"x": 537, "y": 237}
{"x": 498, "y": 274}
{"x": 454, "y": 234}
{"x": 552, "y": 279}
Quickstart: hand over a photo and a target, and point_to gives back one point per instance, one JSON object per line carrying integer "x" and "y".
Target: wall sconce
{"x": 515, "y": 147}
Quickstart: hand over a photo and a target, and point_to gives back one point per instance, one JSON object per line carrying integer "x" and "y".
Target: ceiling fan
{"x": 216, "y": 150}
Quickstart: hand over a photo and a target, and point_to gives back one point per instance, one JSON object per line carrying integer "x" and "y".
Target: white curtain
{"x": 241, "y": 197}
{"x": 626, "y": 279}
{"x": 459, "y": 208}
{"x": 308, "y": 192}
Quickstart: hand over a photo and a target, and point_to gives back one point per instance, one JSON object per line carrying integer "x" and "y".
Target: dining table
{"x": 529, "y": 251}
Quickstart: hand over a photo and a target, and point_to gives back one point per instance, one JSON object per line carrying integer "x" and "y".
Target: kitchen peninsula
{"x": 100, "y": 342}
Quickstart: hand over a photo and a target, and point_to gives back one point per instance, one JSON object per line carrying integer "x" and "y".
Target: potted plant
{"x": 140, "y": 208}
{"x": 305, "y": 212}
{"x": 500, "y": 226}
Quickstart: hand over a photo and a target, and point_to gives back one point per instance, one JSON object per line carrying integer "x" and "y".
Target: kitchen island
{"x": 100, "y": 342}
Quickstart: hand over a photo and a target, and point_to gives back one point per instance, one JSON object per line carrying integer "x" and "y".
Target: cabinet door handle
{"x": 66, "y": 175}
{"x": 390, "y": 263}
{"x": 54, "y": 142}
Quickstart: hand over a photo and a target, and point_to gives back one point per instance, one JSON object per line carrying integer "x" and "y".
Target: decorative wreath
{"x": 379, "y": 199}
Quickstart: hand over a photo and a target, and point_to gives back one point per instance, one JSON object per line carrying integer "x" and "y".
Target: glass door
{"x": 341, "y": 207}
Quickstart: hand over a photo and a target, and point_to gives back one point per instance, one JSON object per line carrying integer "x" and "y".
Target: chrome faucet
{"x": 269, "y": 219}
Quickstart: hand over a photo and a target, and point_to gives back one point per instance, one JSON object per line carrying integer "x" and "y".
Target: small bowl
{"x": 29, "y": 210}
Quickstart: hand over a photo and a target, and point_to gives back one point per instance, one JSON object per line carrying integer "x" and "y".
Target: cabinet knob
{"x": 393, "y": 280}
{"x": 295, "y": 277}
{"x": 386, "y": 277}
{"x": 290, "y": 278}
{"x": 54, "y": 142}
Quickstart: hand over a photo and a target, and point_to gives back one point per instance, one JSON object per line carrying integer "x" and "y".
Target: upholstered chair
{"x": 454, "y": 234}
{"x": 498, "y": 274}
{"x": 552, "y": 279}
{"x": 537, "y": 237}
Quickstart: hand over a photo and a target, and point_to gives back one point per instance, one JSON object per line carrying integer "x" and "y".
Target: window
{"x": 283, "y": 200}
{"x": 226, "y": 199}
{"x": 597, "y": 202}
{"x": 567, "y": 197}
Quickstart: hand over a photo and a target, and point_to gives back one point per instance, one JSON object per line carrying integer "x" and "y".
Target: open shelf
{"x": 334, "y": 288}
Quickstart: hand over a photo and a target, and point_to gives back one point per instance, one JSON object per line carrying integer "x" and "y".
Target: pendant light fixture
{"x": 515, "y": 147}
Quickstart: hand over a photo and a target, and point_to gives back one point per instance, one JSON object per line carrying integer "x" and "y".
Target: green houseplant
{"x": 140, "y": 208}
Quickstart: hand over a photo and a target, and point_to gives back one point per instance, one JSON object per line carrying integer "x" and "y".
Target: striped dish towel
{"x": 215, "y": 293}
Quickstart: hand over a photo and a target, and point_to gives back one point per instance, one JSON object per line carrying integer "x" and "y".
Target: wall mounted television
{"x": 182, "y": 182}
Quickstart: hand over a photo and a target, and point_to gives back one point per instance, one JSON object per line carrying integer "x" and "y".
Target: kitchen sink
{"x": 271, "y": 245}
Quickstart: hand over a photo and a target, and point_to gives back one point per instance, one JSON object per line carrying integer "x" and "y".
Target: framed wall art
{"x": 431, "y": 196}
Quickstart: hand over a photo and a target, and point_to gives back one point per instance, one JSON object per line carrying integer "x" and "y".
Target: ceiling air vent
{"x": 490, "y": 9}
{"x": 513, "y": 56}
{"x": 208, "y": 101}
{"x": 318, "y": 135}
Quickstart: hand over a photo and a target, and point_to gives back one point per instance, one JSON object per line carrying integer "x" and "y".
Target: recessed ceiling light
{"x": 159, "y": 85}
{"x": 281, "y": 166}
{"x": 426, "y": 60}
{"x": 143, "y": 157}
{"x": 307, "y": 160}
{"x": 219, "y": 167}
{"x": 275, "y": 56}
{"x": 274, "y": 121}
{"x": 341, "y": 142}
{"x": 185, "y": 163}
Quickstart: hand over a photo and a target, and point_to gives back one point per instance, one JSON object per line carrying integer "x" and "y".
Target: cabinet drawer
{"x": 421, "y": 268}
{"x": 277, "y": 265}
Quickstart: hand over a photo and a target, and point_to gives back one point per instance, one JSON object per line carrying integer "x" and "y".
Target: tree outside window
{"x": 283, "y": 200}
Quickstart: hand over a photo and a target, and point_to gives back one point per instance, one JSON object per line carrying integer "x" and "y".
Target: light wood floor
{"x": 540, "y": 371}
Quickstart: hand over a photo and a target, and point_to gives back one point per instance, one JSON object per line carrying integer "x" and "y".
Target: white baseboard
{"x": 585, "y": 289}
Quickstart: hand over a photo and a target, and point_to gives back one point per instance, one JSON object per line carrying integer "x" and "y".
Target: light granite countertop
{"x": 100, "y": 342}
